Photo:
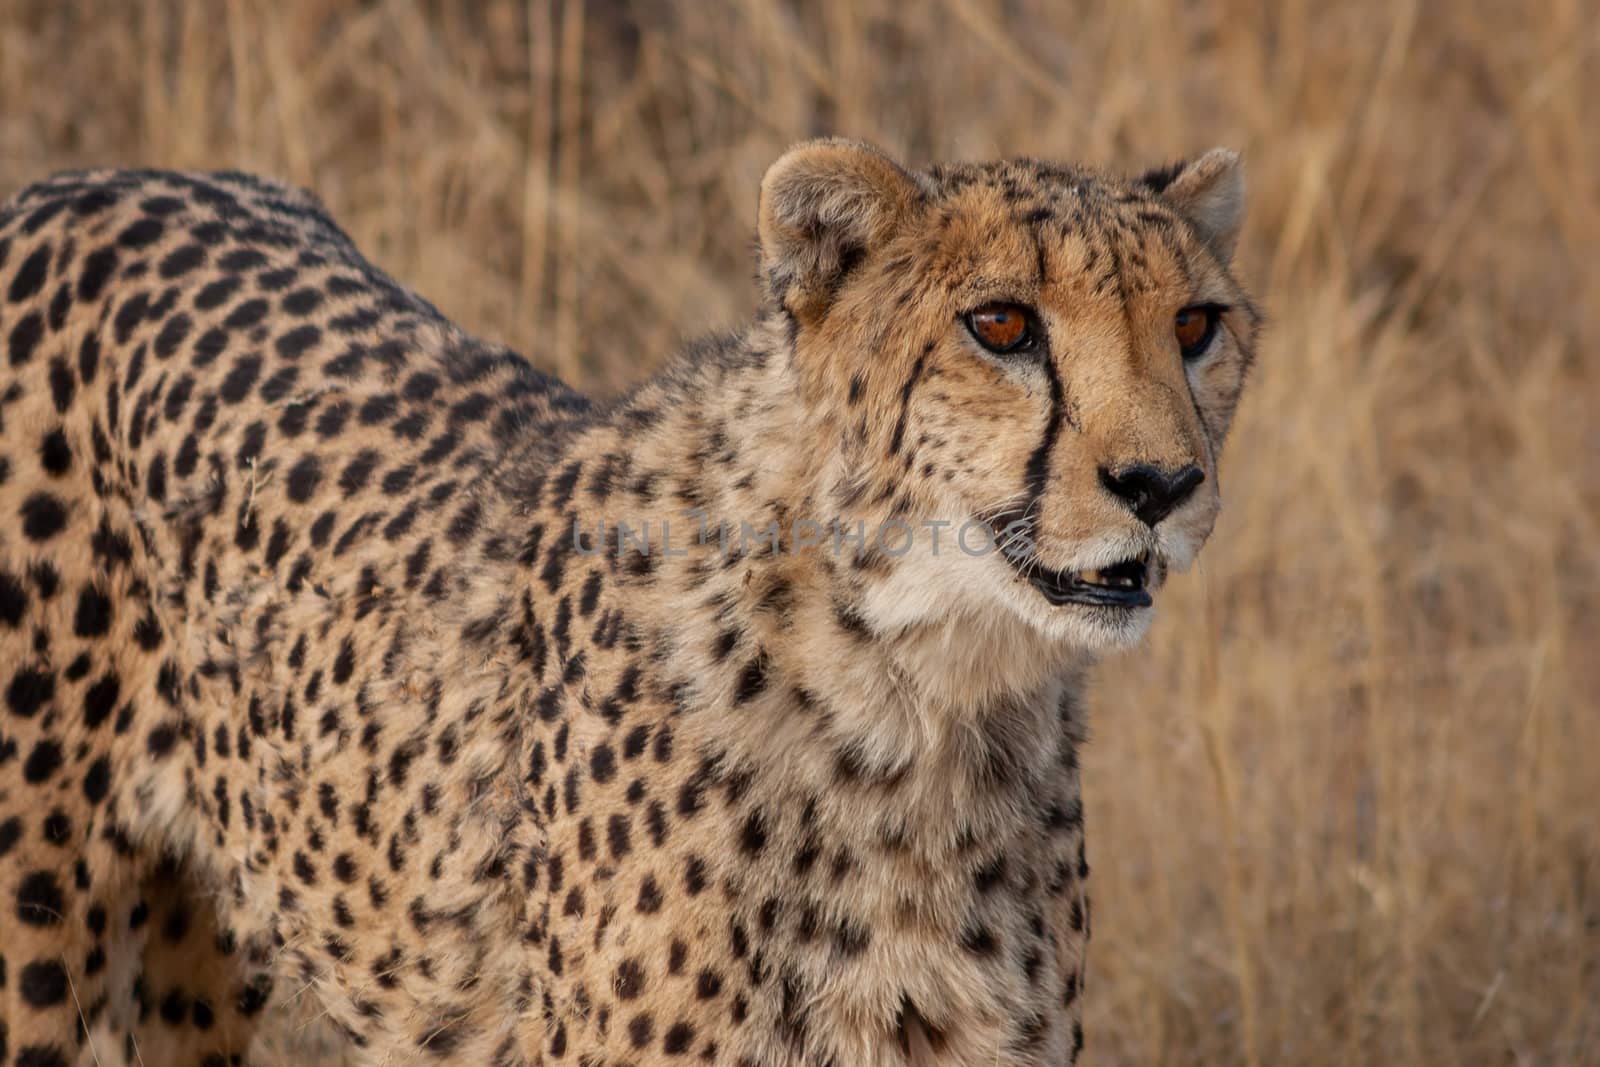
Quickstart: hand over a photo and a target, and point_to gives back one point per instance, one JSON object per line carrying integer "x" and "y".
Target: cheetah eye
{"x": 1002, "y": 328}
{"x": 1195, "y": 327}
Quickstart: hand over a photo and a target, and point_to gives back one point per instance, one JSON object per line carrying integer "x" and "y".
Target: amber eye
{"x": 1194, "y": 328}
{"x": 1001, "y": 327}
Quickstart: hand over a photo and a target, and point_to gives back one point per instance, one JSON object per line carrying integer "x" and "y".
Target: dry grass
{"x": 1346, "y": 804}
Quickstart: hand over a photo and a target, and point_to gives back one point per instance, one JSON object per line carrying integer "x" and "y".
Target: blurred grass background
{"x": 1345, "y": 807}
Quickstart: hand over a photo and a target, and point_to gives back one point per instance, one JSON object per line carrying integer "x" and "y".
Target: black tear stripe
{"x": 1038, "y": 469}
{"x": 905, "y": 401}
{"x": 1060, "y": 408}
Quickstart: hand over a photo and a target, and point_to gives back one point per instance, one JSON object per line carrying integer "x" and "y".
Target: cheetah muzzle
{"x": 350, "y": 662}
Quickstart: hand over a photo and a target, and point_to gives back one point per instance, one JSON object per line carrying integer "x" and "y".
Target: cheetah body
{"x": 329, "y": 675}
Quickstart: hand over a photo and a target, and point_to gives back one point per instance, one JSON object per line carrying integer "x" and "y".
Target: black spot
{"x": 173, "y": 333}
{"x": 129, "y": 315}
{"x": 60, "y": 304}
{"x": 46, "y": 578}
{"x": 398, "y": 480}
{"x": 30, "y": 276}
{"x": 274, "y": 280}
{"x": 752, "y": 680}
{"x": 43, "y": 516}
{"x": 78, "y": 669}
{"x": 93, "y": 618}
{"x": 648, "y": 896}
{"x": 322, "y": 528}
{"x": 332, "y": 420}
{"x": 753, "y": 835}
{"x": 217, "y": 293}
{"x": 345, "y": 663}
{"x": 279, "y": 385}
{"x": 377, "y": 409}
{"x": 246, "y": 315}
{"x": 178, "y": 397}
{"x": 13, "y": 599}
{"x": 211, "y": 344}
{"x": 602, "y": 763}
{"x": 241, "y": 379}
{"x": 161, "y": 740}
{"x": 147, "y": 631}
{"x": 634, "y": 744}
{"x": 243, "y": 259}
{"x": 43, "y": 983}
{"x": 57, "y": 828}
{"x": 302, "y": 302}
{"x": 110, "y": 546}
{"x": 182, "y": 260}
{"x": 421, "y": 386}
{"x": 42, "y": 762}
{"x": 471, "y": 408}
{"x": 630, "y": 981}
{"x": 55, "y": 455}
{"x": 40, "y": 1056}
{"x": 31, "y": 689}
{"x": 40, "y": 901}
{"x": 25, "y": 337}
{"x": 97, "y": 269}
{"x": 990, "y": 875}
{"x": 37, "y": 220}
{"x": 296, "y": 342}
{"x": 708, "y": 984}
{"x": 89, "y": 357}
{"x": 97, "y": 780}
{"x": 161, "y": 205}
{"x": 619, "y": 835}
{"x": 254, "y": 996}
{"x": 254, "y": 440}
{"x": 850, "y": 938}
{"x": 465, "y": 524}
{"x": 359, "y": 470}
{"x": 303, "y": 478}
{"x": 978, "y": 940}
{"x": 141, "y": 233}
{"x": 62, "y": 384}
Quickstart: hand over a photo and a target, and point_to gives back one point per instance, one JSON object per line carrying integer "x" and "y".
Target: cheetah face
{"x": 1052, "y": 352}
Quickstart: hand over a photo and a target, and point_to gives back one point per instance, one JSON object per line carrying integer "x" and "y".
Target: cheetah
{"x": 350, "y": 661}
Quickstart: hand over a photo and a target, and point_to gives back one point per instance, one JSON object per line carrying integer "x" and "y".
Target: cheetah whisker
{"x": 88, "y": 1030}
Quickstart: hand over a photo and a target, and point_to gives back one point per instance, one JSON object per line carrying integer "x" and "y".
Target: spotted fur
{"x": 329, "y": 677}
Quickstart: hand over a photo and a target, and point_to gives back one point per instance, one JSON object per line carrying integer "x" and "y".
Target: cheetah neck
{"x": 678, "y": 525}
{"x": 731, "y": 709}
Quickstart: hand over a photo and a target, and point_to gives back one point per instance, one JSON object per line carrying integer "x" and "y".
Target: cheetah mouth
{"x": 1121, "y": 585}
{"x": 1124, "y": 585}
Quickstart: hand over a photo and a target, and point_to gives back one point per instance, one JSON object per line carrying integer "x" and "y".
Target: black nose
{"x": 1150, "y": 492}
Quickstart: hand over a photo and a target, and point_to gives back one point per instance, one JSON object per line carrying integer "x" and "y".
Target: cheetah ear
{"x": 1210, "y": 193}
{"x": 824, "y": 204}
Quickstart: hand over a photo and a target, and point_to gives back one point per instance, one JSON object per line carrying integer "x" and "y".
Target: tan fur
{"x": 305, "y": 641}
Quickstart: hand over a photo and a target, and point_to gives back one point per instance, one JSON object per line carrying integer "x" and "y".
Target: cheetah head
{"x": 1050, "y": 352}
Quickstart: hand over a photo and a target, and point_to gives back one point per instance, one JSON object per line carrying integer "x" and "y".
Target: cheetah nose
{"x": 1150, "y": 492}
